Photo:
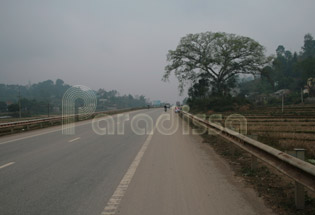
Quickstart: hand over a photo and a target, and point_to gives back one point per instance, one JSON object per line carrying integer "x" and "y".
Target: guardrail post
{"x": 299, "y": 188}
{"x": 254, "y": 161}
{"x": 233, "y": 150}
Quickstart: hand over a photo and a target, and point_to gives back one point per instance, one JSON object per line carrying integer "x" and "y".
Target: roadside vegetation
{"x": 226, "y": 74}
{"x": 226, "y": 71}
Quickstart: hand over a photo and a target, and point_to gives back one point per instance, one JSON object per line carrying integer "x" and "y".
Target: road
{"x": 46, "y": 172}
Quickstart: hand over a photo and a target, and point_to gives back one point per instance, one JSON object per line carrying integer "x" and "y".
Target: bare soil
{"x": 276, "y": 189}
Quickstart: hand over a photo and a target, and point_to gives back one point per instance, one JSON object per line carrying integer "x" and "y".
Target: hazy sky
{"x": 122, "y": 45}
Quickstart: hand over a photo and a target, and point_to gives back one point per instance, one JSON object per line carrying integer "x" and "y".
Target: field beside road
{"x": 292, "y": 128}
{"x": 287, "y": 130}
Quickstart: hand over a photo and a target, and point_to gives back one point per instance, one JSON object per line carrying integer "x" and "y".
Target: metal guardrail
{"x": 11, "y": 125}
{"x": 301, "y": 172}
{"x": 31, "y": 121}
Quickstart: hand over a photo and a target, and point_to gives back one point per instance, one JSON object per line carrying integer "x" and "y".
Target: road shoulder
{"x": 179, "y": 174}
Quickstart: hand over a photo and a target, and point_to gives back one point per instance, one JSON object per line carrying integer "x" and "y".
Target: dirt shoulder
{"x": 178, "y": 176}
{"x": 276, "y": 189}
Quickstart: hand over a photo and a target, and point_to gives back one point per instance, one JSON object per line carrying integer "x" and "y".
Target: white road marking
{"x": 22, "y": 138}
{"x": 35, "y": 135}
{"x": 114, "y": 201}
{"x": 74, "y": 139}
{"x": 6, "y": 165}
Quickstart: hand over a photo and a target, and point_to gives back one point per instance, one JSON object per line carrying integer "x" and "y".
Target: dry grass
{"x": 295, "y": 128}
{"x": 282, "y": 128}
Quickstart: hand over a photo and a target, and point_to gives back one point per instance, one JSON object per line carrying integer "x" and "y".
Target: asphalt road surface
{"x": 47, "y": 172}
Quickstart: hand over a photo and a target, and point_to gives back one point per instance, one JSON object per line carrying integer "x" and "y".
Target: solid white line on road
{"x": 6, "y": 165}
{"x": 114, "y": 201}
{"x": 74, "y": 139}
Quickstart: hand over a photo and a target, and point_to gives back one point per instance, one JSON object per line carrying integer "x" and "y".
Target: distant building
{"x": 309, "y": 88}
{"x": 9, "y": 103}
{"x": 235, "y": 91}
{"x": 56, "y": 109}
{"x": 281, "y": 92}
{"x": 156, "y": 103}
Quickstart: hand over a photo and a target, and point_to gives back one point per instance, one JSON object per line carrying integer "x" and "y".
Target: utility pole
{"x": 282, "y": 102}
{"x": 48, "y": 108}
{"x": 302, "y": 96}
{"x": 20, "y": 113}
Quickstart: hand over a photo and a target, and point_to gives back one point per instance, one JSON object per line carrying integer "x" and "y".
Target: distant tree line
{"x": 46, "y": 97}
{"x": 39, "y": 98}
{"x": 113, "y": 100}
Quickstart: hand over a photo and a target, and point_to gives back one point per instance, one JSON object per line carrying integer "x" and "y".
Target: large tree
{"x": 218, "y": 57}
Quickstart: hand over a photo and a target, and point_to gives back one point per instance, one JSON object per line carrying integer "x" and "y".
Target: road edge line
{"x": 114, "y": 202}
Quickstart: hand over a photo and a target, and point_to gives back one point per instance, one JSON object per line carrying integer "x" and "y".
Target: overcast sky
{"x": 122, "y": 45}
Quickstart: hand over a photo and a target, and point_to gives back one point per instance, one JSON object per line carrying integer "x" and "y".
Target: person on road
{"x": 165, "y": 108}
